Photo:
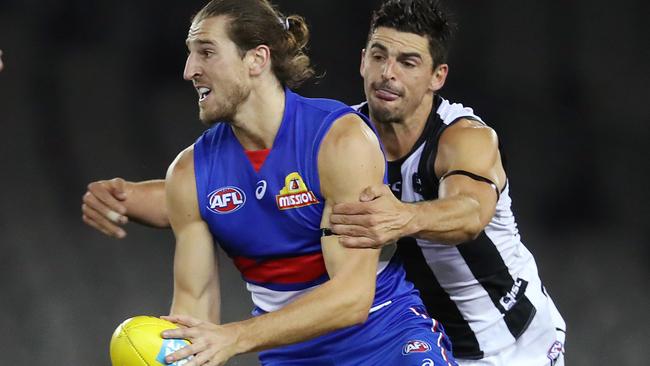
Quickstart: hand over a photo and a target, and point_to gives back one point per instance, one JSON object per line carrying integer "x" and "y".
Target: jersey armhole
{"x": 200, "y": 176}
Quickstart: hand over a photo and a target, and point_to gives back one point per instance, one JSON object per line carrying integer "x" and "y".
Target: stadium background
{"x": 93, "y": 89}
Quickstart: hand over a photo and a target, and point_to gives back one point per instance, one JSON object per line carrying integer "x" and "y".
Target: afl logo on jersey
{"x": 415, "y": 346}
{"x": 226, "y": 200}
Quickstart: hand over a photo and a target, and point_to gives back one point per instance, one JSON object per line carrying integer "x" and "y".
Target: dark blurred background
{"x": 94, "y": 89}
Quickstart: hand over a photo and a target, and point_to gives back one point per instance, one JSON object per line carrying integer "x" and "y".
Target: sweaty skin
{"x": 399, "y": 81}
{"x": 348, "y": 150}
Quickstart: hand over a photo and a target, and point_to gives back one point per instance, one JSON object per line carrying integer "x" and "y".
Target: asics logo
{"x": 260, "y": 190}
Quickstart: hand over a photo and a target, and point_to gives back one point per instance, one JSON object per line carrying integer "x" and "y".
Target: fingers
{"x": 118, "y": 188}
{"x": 203, "y": 356}
{"x": 187, "y": 351}
{"x": 350, "y": 229}
{"x": 109, "y": 213}
{"x": 102, "y": 209}
{"x": 201, "y": 359}
{"x": 352, "y": 208}
{"x": 373, "y": 192}
{"x": 191, "y": 334}
{"x": 354, "y": 236}
{"x": 359, "y": 242}
{"x": 96, "y": 220}
{"x": 106, "y": 192}
{"x": 366, "y": 206}
{"x": 184, "y": 320}
{"x": 93, "y": 224}
{"x": 350, "y": 219}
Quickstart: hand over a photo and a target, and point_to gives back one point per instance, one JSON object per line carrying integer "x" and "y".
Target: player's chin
{"x": 208, "y": 119}
{"x": 384, "y": 114}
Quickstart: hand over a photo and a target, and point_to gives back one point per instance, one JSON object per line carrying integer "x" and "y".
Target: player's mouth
{"x": 386, "y": 94}
{"x": 203, "y": 93}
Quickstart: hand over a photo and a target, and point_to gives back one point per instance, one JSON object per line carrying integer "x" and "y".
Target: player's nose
{"x": 192, "y": 68}
{"x": 388, "y": 71}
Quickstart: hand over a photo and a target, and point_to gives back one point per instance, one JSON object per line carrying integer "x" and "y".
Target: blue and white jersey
{"x": 268, "y": 221}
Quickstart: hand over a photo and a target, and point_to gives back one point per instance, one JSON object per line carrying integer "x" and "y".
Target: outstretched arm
{"x": 108, "y": 205}
{"x": 196, "y": 282}
{"x": 349, "y": 159}
{"x": 463, "y": 208}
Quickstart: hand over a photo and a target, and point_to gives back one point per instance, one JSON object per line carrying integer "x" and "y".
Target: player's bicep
{"x": 469, "y": 164}
{"x": 350, "y": 159}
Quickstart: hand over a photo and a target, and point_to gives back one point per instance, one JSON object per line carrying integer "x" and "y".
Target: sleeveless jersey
{"x": 268, "y": 221}
{"x": 485, "y": 292}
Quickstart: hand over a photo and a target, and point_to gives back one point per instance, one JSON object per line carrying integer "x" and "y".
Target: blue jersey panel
{"x": 399, "y": 335}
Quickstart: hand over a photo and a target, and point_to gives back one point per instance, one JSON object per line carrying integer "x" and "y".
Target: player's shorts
{"x": 398, "y": 334}
{"x": 542, "y": 344}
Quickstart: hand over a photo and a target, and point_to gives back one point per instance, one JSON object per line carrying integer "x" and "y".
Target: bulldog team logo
{"x": 295, "y": 193}
{"x": 415, "y": 347}
{"x": 226, "y": 200}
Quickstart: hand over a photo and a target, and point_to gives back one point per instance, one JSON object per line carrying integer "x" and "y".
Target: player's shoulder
{"x": 349, "y": 140}
{"x": 351, "y": 127}
{"x": 183, "y": 164}
{"x": 467, "y": 131}
{"x": 469, "y": 136}
{"x": 325, "y": 105}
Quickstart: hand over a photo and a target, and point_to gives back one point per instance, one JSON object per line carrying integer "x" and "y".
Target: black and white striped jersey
{"x": 484, "y": 292}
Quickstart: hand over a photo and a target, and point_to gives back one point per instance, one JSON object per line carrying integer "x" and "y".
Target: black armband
{"x": 477, "y": 178}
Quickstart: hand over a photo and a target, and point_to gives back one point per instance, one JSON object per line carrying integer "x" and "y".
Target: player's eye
{"x": 409, "y": 64}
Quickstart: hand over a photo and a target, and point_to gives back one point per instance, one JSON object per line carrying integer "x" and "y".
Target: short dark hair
{"x": 426, "y": 18}
{"x": 257, "y": 22}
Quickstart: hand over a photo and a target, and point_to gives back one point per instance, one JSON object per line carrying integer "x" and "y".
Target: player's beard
{"x": 225, "y": 107}
{"x": 381, "y": 114}
{"x": 379, "y": 111}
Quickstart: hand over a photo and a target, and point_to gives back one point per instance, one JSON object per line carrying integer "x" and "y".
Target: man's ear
{"x": 258, "y": 59}
{"x": 439, "y": 77}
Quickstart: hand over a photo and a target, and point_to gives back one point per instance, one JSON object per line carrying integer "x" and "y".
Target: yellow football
{"x": 137, "y": 342}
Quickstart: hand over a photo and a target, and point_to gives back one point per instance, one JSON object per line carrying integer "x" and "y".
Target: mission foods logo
{"x": 226, "y": 200}
{"x": 295, "y": 193}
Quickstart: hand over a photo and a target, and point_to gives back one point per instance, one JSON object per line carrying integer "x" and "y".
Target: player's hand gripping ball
{"x": 137, "y": 342}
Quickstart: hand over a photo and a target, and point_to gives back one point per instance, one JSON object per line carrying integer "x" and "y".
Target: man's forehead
{"x": 212, "y": 28}
{"x": 400, "y": 41}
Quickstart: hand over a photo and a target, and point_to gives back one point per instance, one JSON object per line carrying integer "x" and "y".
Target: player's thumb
{"x": 371, "y": 193}
{"x": 119, "y": 188}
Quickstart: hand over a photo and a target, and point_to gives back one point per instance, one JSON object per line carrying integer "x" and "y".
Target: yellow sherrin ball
{"x": 137, "y": 342}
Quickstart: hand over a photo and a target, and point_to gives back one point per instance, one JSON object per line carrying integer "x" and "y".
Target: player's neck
{"x": 400, "y": 137}
{"x": 259, "y": 117}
